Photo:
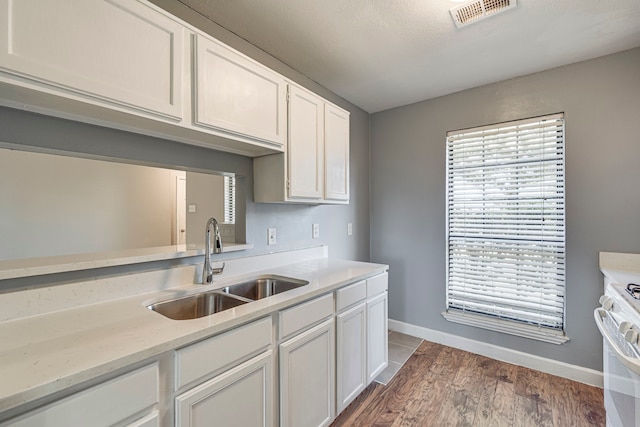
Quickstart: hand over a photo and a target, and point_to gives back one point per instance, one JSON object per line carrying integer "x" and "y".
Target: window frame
{"x": 485, "y": 320}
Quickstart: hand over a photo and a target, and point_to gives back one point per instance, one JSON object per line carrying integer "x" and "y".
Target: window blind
{"x": 229, "y": 200}
{"x": 506, "y": 223}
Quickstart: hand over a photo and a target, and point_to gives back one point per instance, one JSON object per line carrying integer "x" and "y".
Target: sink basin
{"x": 195, "y": 306}
{"x": 263, "y": 287}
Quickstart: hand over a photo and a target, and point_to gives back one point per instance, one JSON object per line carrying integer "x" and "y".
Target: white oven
{"x": 619, "y": 323}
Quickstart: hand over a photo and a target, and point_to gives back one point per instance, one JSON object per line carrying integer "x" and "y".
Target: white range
{"x": 618, "y": 320}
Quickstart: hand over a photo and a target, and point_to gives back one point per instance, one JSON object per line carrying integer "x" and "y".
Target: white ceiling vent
{"x": 477, "y": 10}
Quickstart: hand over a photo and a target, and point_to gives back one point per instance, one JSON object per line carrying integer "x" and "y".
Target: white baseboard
{"x": 550, "y": 366}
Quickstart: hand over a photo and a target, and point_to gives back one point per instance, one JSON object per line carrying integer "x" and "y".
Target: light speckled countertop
{"x": 46, "y": 353}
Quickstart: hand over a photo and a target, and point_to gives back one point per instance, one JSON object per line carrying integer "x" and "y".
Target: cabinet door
{"x": 307, "y": 378}
{"x": 118, "y": 51}
{"x": 351, "y": 355}
{"x": 242, "y": 396}
{"x": 238, "y": 95}
{"x": 306, "y": 144}
{"x": 336, "y": 148}
{"x": 377, "y": 336}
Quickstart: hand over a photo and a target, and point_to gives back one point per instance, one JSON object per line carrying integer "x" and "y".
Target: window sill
{"x": 507, "y": 327}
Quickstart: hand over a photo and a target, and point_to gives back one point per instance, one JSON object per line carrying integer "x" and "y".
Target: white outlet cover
{"x": 316, "y": 231}
{"x": 349, "y": 229}
{"x": 271, "y": 236}
{"x": 192, "y": 208}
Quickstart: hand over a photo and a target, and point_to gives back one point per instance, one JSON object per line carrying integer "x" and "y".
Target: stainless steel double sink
{"x": 211, "y": 302}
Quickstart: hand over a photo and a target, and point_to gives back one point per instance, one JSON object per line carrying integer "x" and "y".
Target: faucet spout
{"x": 208, "y": 271}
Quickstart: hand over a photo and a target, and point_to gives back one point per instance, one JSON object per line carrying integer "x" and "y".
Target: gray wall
{"x": 206, "y": 192}
{"x": 601, "y": 102}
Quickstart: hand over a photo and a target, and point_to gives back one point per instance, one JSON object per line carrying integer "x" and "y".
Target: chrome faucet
{"x": 208, "y": 271}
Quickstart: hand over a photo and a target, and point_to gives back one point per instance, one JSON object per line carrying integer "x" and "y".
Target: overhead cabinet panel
{"x": 336, "y": 148}
{"x": 306, "y": 144}
{"x": 238, "y": 95}
{"x": 315, "y": 166}
{"x": 121, "y": 52}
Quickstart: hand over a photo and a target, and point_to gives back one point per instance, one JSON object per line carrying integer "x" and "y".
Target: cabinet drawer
{"x": 350, "y": 295}
{"x": 222, "y": 351}
{"x": 304, "y": 315}
{"x": 377, "y": 284}
{"x": 102, "y": 405}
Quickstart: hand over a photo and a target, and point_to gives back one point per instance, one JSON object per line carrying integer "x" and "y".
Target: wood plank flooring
{"x": 443, "y": 386}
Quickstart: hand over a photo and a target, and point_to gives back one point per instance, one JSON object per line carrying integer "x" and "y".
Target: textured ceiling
{"x": 380, "y": 54}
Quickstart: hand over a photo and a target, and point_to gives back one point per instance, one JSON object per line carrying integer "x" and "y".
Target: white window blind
{"x": 506, "y": 227}
{"x": 229, "y": 200}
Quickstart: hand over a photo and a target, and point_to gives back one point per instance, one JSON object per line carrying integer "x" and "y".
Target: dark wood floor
{"x": 443, "y": 386}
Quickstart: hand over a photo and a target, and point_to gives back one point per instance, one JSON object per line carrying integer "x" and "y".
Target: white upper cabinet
{"x": 118, "y": 51}
{"x": 315, "y": 166}
{"x": 336, "y": 145}
{"x": 129, "y": 65}
{"x": 237, "y": 94}
{"x": 306, "y": 144}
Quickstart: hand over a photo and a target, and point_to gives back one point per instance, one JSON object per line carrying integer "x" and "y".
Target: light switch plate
{"x": 316, "y": 231}
{"x": 349, "y": 229}
{"x": 271, "y": 236}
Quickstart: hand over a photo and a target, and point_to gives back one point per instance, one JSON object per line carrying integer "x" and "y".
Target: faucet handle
{"x": 218, "y": 270}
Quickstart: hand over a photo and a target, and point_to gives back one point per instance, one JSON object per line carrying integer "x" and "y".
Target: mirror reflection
{"x": 59, "y": 205}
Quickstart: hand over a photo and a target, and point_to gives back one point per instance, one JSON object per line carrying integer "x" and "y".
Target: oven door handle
{"x": 631, "y": 363}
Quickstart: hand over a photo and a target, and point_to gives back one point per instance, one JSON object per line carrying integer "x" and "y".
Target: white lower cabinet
{"x": 377, "y": 326}
{"x": 242, "y": 396}
{"x": 307, "y": 375}
{"x": 351, "y": 354}
{"x": 227, "y": 380}
{"x": 324, "y": 361}
{"x": 129, "y": 396}
{"x": 314, "y": 168}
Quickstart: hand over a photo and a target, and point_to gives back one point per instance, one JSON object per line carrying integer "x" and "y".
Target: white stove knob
{"x": 624, "y": 327}
{"x": 607, "y": 302}
{"x": 631, "y": 336}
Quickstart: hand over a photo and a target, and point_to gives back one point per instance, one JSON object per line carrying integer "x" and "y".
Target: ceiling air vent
{"x": 477, "y": 10}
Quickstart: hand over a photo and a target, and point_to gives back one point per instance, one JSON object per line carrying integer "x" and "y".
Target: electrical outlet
{"x": 192, "y": 208}
{"x": 271, "y": 236}
{"x": 316, "y": 231}
{"x": 349, "y": 229}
